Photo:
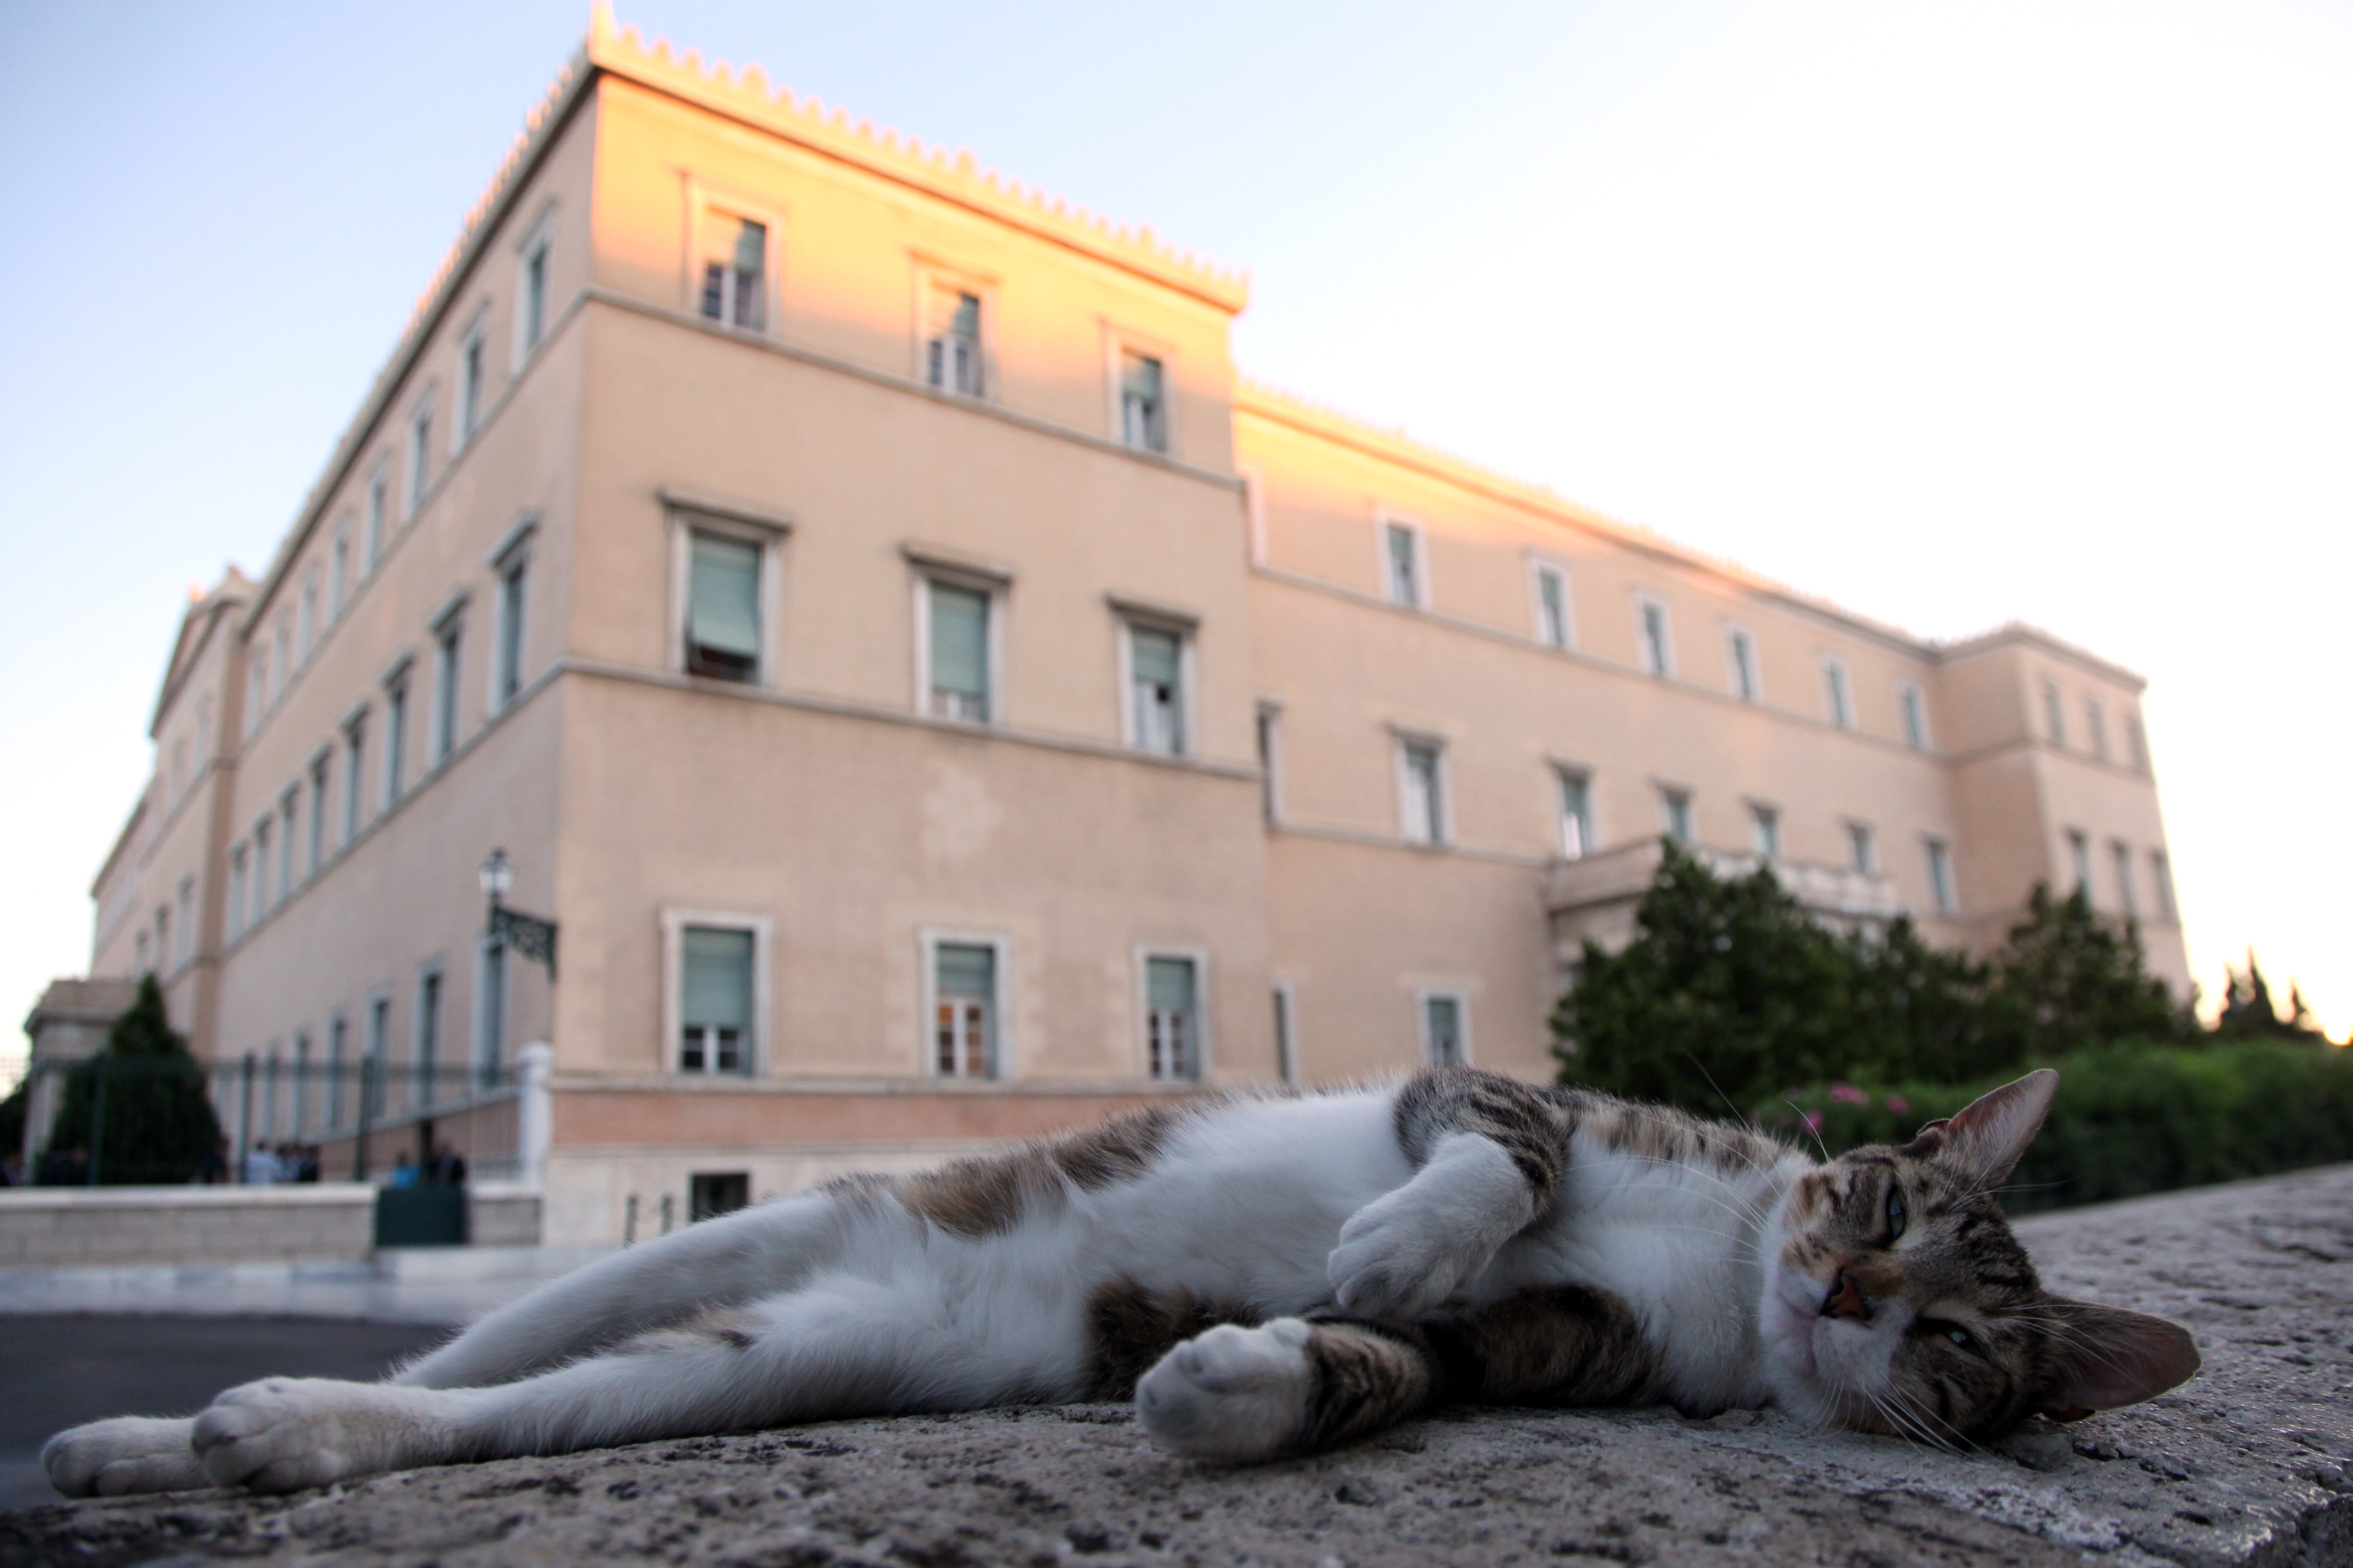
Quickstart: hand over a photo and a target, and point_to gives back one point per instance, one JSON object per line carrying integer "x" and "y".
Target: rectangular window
{"x": 1143, "y": 402}
{"x": 286, "y": 815}
{"x": 236, "y": 874}
{"x": 1155, "y": 660}
{"x": 396, "y": 739}
{"x": 952, "y": 342}
{"x": 1653, "y": 632}
{"x": 490, "y": 1031}
{"x": 1286, "y": 1033}
{"x": 964, "y": 982}
{"x": 379, "y": 485}
{"x": 722, "y": 608}
{"x": 2121, "y": 853}
{"x": 318, "y": 813}
{"x": 507, "y": 677}
{"x": 735, "y": 271}
{"x": 1838, "y": 697}
{"x": 958, "y": 647}
{"x": 1401, "y": 563}
{"x": 2078, "y": 859}
{"x": 281, "y": 666}
{"x": 1270, "y": 762}
{"x": 448, "y": 645}
{"x": 186, "y": 924}
{"x": 339, "y": 581}
{"x": 1914, "y": 703}
{"x": 1576, "y": 814}
{"x": 471, "y": 388}
{"x": 709, "y": 1194}
{"x": 1442, "y": 1041}
{"x": 262, "y": 839}
{"x": 339, "y": 1032}
{"x": 2055, "y": 715}
{"x": 379, "y": 1034}
{"x": 301, "y": 1086}
{"x": 2095, "y": 727}
{"x": 429, "y": 1035}
{"x": 1172, "y": 1023}
{"x": 1861, "y": 848}
{"x": 1740, "y": 654}
{"x": 1765, "y": 831}
{"x": 1675, "y": 814}
{"x": 307, "y": 638}
{"x": 355, "y": 773}
{"x": 1421, "y": 793}
{"x": 257, "y": 687}
{"x": 420, "y": 453}
{"x": 530, "y": 301}
{"x": 1552, "y": 606}
{"x": 2161, "y": 880}
{"x": 714, "y": 1000}
{"x": 2136, "y": 743}
{"x": 1940, "y": 877}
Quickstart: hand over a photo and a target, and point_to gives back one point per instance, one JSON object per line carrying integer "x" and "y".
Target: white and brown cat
{"x": 1266, "y": 1276}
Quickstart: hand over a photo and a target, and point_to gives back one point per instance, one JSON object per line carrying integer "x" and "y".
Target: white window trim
{"x": 1945, "y": 893}
{"x": 1759, "y": 813}
{"x": 929, "y": 941}
{"x": 756, "y": 1051}
{"x": 430, "y": 969}
{"x": 1131, "y": 620}
{"x": 1203, "y": 1056}
{"x": 419, "y": 481}
{"x": 539, "y": 237}
{"x": 1267, "y": 736}
{"x": 1562, "y": 771}
{"x": 1539, "y": 567}
{"x": 1423, "y": 996}
{"x": 684, "y": 519}
{"x": 1286, "y": 995}
{"x": 466, "y": 414}
{"x": 1838, "y": 692}
{"x": 928, "y": 276}
{"x": 1119, "y": 340}
{"x": 1870, "y": 843}
{"x": 1666, "y": 812}
{"x": 1253, "y": 479}
{"x": 702, "y": 197}
{"x": 512, "y": 552}
{"x": 1912, "y": 698}
{"x": 1665, "y": 669}
{"x": 448, "y": 735}
{"x": 376, "y": 539}
{"x": 476, "y": 1054}
{"x": 1735, "y": 633}
{"x": 927, "y": 572}
{"x": 1383, "y": 520}
{"x": 1399, "y": 742}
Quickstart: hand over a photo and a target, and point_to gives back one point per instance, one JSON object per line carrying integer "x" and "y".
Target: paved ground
{"x": 2252, "y": 1463}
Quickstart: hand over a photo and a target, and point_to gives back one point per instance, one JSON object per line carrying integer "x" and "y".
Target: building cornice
{"x": 2018, "y": 633}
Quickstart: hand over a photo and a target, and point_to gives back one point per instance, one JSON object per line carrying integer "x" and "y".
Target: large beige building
{"x": 939, "y": 700}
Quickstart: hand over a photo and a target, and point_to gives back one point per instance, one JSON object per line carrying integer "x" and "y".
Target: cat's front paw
{"x": 1232, "y": 1394}
{"x": 284, "y": 1434}
{"x": 129, "y": 1454}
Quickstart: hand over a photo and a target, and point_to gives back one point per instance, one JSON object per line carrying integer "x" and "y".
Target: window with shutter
{"x": 1171, "y": 1028}
{"x": 722, "y": 613}
{"x": 959, "y": 652}
{"x": 1156, "y": 663}
{"x": 714, "y": 1000}
{"x": 1441, "y": 1023}
{"x": 952, "y": 351}
{"x": 1143, "y": 402}
{"x": 734, "y": 271}
{"x": 964, "y": 1020}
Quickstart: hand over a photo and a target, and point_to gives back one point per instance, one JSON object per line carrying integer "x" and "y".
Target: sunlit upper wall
{"x": 865, "y": 244}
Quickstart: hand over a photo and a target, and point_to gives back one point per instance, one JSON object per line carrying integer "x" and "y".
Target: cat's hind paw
{"x": 129, "y": 1454}
{"x": 284, "y": 1434}
{"x": 1233, "y": 1395}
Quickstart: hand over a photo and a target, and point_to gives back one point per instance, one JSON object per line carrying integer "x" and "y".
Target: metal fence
{"x": 140, "y": 1120}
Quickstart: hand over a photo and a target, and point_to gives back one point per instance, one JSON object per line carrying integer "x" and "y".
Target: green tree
{"x": 2248, "y": 1010}
{"x": 2069, "y": 977}
{"x": 156, "y": 1124}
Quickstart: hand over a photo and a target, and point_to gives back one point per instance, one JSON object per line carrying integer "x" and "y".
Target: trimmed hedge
{"x": 2129, "y": 1118}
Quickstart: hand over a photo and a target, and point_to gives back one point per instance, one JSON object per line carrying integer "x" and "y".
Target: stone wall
{"x": 323, "y": 1222}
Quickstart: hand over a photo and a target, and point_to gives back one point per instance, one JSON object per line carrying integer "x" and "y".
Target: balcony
{"x": 1594, "y": 897}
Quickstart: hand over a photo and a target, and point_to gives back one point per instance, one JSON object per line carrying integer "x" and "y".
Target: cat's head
{"x": 1897, "y": 1300}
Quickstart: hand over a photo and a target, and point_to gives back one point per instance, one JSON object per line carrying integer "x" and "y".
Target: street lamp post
{"x": 526, "y": 934}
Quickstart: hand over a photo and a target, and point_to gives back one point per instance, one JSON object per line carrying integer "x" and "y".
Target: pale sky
{"x": 1954, "y": 314}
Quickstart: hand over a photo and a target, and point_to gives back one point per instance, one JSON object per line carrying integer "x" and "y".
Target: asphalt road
{"x": 60, "y": 1371}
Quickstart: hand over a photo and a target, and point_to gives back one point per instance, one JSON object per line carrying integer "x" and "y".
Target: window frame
{"x": 2078, "y": 859}
{"x": 1423, "y": 996}
{"x": 471, "y": 397}
{"x": 1284, "y": 993}
{"x": 2160, "y": 883}
{"x": 1267, "y": 732}
{"x": 318, "y": 773}
{"x": 929, "y": 941}
{"x": 510, "y": 562}
{"x": 1943, "y": 880}
{"x": 1743, "y": 676}
{"x": 447, "y": 737}
{"x": 928, "y": 572}
{"x": 1541, "y": 570}
{"x": 530, "y": 315}
{"x": 2120, "y": 858}
{"x": 429, "y": 1032}
{"x": 757, "y": 1050}
{"x": 684, "y": 518}
{"x": 1837, "y": 691}
{"x": 2054, "y": 714}
{"x": 1587, "y": 839}
{"x": 420, "y": 451}
{"x": 1911, "y": 705}
{"x": 493, "y": 1010}
{"x": 704, "y": 198}
{"x": 1132, "y": 620}
{"x": 1386, "y": 524}
{"x": 1203, "y": 1034}
{"x": 1438, "y": 823}
{"x": 1679, "y": 801}
{"x": 1656, "y": 657}
{"x": 393, "y": 767}
{"x": 1765, "y": 831}
{"x": 339, "y": 575}
{"x": 375, "y": 512}
{"x": 2095, "y": 727}
{"x": 355, "y": 743}
{"x": 1118, "y": 343}
{"x": 1862, "y": 848}
{"x": 931, "y": 276}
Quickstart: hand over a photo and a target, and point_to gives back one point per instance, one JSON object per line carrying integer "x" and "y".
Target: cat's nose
{"x": 1845, "y": 1299}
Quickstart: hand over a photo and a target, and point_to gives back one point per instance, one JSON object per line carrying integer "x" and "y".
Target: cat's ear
{"x": 2109, "y": 1356}
{"x": 1988, "y": 1137}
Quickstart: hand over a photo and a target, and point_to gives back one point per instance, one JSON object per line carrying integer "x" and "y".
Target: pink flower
{"x": 1896, "y": 1103}
{"x": 1813, "y": 1121}
{"x": 1848, "y": 1093}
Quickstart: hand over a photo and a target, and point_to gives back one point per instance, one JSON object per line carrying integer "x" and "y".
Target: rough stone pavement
{"x": 2248, "y": 1463}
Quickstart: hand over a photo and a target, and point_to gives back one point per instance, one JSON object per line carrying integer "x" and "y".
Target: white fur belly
{"x": 1677, "y": 1245}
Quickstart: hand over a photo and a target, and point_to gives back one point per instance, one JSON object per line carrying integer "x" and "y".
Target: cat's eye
{"x": 1951, "y": 1333}
{"x": 1894, "y": 1215}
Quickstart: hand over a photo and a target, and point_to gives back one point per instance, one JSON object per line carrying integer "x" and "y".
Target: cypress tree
{"x": 158, "y": 1122}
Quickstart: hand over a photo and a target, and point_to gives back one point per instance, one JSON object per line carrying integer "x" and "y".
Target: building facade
{"x": 939, "y": 700}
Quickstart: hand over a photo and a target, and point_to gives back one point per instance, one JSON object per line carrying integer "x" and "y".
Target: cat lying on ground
{"x": 1267, "y": 1277}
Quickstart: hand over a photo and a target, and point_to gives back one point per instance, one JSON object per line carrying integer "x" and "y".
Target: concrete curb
{"x": 2247, "y": 1465}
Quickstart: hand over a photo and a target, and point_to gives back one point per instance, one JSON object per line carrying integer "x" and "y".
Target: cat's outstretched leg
{"x": 128, "y": 1454}
{"x": 1490, "y": 1152}
{"x": 1300, "y": 1385}
{"x": 843, "y": 1348}
{"x": 720, "y": 1262}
